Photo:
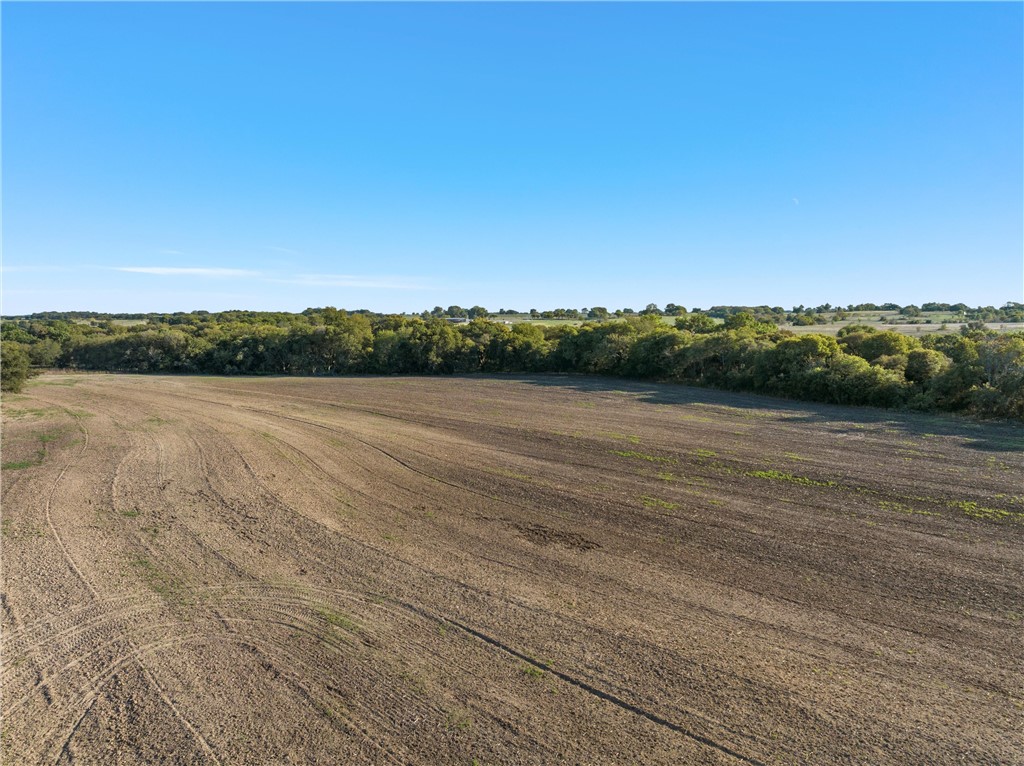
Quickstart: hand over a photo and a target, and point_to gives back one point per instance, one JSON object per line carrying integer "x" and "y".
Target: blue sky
{"x": 181, "y": 156}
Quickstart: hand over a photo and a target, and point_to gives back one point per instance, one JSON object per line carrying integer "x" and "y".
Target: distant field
{"x": 928, "y": 322}
{"x": 907, "y": 329}
{"x": 502, "y": 570}
{"x": 120, "y": 322}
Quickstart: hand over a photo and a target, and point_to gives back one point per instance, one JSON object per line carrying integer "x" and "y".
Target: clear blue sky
{"x": 180, "y": 156}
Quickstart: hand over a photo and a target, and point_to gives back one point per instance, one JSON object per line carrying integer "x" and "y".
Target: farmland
{"x": 502, "y": 569}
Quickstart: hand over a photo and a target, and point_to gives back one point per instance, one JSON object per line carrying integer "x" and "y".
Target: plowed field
{"x": 500, "y": 570}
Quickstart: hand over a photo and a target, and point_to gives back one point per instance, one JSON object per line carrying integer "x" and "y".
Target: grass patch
{"x": 888, "y": 505}
{"x": 975, "y": 511}
{"x": 782, "y": 476}
{"x": 653, "y": 502}
{"x": 642, "y": 456}
{"x": 18, "y": 465}
{"x": 338, "y": 620}
{"x": 705, "y": 453}
{"x": 509, "y": 474}
{"x": 27, "y": 412}
{"x": 531, "y": 671}
{"x": 157, "y": 580}
{"x": 415, "y": 682}
{"x": 458, "y": 720}
{"x": 40, "y": 455}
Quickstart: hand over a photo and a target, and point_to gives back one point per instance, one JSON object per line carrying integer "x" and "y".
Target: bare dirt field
{"x": 502, "y": 570}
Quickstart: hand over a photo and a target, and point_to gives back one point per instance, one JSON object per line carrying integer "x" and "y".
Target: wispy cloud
{"x": 352, "y": 280}
{"x": 192, "y": 271}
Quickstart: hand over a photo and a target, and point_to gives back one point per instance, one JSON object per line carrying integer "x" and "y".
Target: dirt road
{"x": 499, "y": 570}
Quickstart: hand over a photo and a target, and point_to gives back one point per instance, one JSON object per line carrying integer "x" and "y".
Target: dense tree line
{"x": 799, "y": 315}
{"x": 1008, "y": 312}
{"x": 975, "y": 370}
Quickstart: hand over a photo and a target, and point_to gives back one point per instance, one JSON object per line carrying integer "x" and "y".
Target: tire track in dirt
{"x": 141, "y": 648}
{"x": 138, "y": 656}
{"x": 263, "y": 599}
{"x": 27, "y": 641}
{"x": 351, "y": 434}
{"x": 392, "y": 457}
{"x": 33, "y": 663}
{"x": 74, "y": 460}
{"x": 96, "y": 596}
{"x": 607, "y": 697}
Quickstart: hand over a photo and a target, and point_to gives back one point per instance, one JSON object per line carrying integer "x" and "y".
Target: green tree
{"x": 923, "y": 364}
{"x": 654, "y": 353}
{"x": 874, "y": 345}
{"x": 745, "y": 319}
{"x": 14, "y": 366}
{"x": 44, "y": 352}
{"x": 698, "y": 323}
{"x": 1000, "y": 355}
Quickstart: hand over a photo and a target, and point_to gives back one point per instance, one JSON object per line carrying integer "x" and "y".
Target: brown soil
{"x": 502, "y": 571}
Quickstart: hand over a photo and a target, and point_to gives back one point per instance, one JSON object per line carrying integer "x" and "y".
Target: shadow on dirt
{"x": 987, "y": 436}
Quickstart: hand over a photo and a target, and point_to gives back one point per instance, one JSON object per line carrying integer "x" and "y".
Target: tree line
{"x": 1010, "y": 311}
{"x": 974, "y": 370}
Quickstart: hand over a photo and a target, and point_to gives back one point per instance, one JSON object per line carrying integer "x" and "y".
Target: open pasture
{"x": 502, "y": 570}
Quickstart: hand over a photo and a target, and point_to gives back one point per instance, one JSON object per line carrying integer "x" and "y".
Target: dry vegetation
{"x": 502, "y": 570}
